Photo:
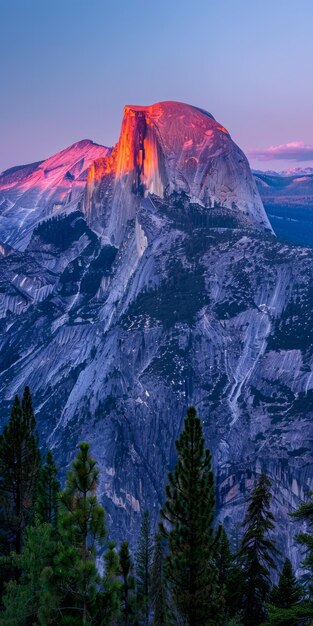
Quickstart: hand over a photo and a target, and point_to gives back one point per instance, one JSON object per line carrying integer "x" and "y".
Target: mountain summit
{"x": 167, "y": 148}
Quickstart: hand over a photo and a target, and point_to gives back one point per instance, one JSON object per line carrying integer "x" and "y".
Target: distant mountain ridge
{"x": 292, "y": 171}
{"x": 288, "y": 201}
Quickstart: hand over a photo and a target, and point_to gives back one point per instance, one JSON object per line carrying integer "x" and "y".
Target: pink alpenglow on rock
{"x": 31, "y": 193}
{"x": 164, "y": 148}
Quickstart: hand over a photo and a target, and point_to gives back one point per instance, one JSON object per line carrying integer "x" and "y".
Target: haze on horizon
{"x": 70, "y": 66}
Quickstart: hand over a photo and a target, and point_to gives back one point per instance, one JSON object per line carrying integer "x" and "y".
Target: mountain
{"x": 165, "y": 286}
{"x": 169, "y": 148}
{"x": 288, "y": 201}
{"x": 291, "y": 171}
{"x": 30, "y": 193}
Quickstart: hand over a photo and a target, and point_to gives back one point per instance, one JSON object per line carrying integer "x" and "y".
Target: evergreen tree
{"x": 305, "y": 539}
{"x": 158, "y": 588}
{"x": 47, "y": 492}
{"x": 288, "y": 591}
{"x": 112, "y": 586}
{"x": 143, "y": 568}
{"x": 188, "y": 517}
{"x": 82, "y": 523}
{"x": 19, "y": 465}
{"x": 257, "y": 550}
{"x": 223, "y": 557}
{"x": 297, "y": 615}
{"x": 25, "y": 601}
{"x": 234, "y": 621}
{"x": 230, "y": 577}
{"x": 128, "y": 585}
{"x": 108, "y": 604}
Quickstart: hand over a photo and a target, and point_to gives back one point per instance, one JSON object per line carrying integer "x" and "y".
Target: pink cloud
{"x": 296, "y": 150}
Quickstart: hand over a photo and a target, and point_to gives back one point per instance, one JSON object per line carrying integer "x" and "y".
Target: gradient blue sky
{"x": 69, "y": 66}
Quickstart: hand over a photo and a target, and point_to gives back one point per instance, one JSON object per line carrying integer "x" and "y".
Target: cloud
{"x": 296, "y": 151}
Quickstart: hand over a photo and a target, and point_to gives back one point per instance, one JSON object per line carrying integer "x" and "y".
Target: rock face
{"x": 31, "y": 193}
{"x": 165, "y": 148}
{"x": 166, "y": 288}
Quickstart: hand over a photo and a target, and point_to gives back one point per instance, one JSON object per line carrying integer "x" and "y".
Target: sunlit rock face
{"x": 164, "y": 148}
{"x": 34, "y": 192}
{"x": 150, "y": 298}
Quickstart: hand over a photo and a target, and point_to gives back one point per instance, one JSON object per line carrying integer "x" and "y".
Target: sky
{"x": 68, "y": 67}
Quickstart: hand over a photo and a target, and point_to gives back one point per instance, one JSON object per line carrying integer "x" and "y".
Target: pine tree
{"x": 25, "y": 601}
{"x": 111, "y": 603}
{"x": 257, "y": 551}
{"x": 19, "y": 465}
{"x": 297, "y": 615}
{"x": 305, "y": 539}
{"x": 47, "y": 492}
{"x": 158, "y": 588}
{"x": 230, "y": 578}
{"x": 108, "y": 603}
{"x": 223, "y": 559}
{"x": 288, "y": 591}
{"x": 82, "y": 523}
{"x": 143, "y": 568}
{"x": 188, "y": 518}
{"x": 128, "y": 585}
{"x": 234, "y": 621}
